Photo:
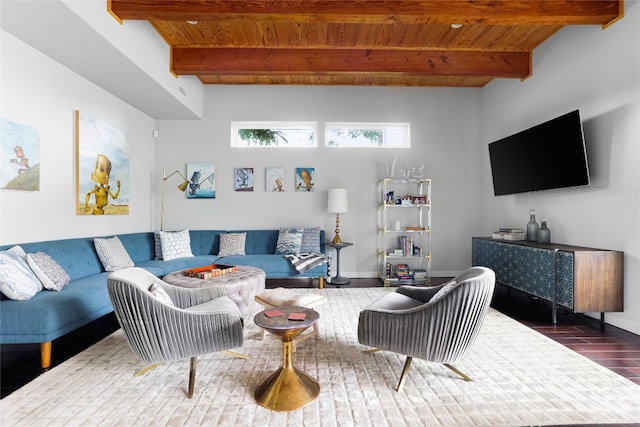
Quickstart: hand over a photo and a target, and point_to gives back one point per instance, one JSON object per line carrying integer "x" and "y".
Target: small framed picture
{"x": 304, "y": 179}
{"x": 202, "y": 183}
{"x": 243, "y": 179}
{"x": 274, "y": 180}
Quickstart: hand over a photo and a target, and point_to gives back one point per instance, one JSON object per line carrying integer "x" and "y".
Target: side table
{"x": 339, "y": 280}
{"x": 288, "y": 388}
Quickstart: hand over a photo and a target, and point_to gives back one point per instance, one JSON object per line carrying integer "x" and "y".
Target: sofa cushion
{"x": 289, "y": 241}
{"x": 176, "y": 244}
{"x": 17, "y": 280}
{"x": 112, "y": 253}
{"x": 232, "y": 244}
{"x": 310, "y": 241}
{"x": 48, "y": 271}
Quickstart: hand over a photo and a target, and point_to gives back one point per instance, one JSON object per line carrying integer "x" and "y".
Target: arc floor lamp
{"x": 182, "y": 187}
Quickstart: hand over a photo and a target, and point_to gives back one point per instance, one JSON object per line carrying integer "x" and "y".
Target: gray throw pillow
{"x": 48, "y": 271}
{"x": 232, "y": 244}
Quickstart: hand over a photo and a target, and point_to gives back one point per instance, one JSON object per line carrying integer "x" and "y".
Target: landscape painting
{"x": 102, "y": 167}
{"x": 20, "y": 154}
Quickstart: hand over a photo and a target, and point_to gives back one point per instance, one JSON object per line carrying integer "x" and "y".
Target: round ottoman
{"x": 241, "y": 286}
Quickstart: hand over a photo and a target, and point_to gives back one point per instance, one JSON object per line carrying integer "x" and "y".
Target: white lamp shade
{"x": 338, "y": 201}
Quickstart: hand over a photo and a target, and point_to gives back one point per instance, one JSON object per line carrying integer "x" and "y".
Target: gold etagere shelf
{"x": 404, "y": 231}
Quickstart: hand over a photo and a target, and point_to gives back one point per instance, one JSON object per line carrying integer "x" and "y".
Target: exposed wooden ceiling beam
{"x": 229, "y": 61}
{"x": 488, "y": 12}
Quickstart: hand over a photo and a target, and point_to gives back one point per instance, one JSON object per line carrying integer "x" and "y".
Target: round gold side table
{"x": 288, "y": 388}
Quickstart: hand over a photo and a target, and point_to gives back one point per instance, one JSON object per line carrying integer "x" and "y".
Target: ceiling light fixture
{"x": 192, "y": 22}
{"x": 456, "y": 26}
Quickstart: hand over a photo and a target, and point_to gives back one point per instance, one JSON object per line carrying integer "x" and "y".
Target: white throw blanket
{"x": 305, "y": 262}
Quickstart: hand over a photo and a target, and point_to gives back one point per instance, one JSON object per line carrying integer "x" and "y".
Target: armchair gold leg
{"x": 405, "y": 369}
{"x": 146, "y": 369}
{"x": 192, "y": 376}
{"x": 464, "y": 377}
{"x": 235, "y": 354}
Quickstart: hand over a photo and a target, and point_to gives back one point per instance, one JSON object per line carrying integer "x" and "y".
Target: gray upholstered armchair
{"x": 438, "y": 323}
{"x": 165, "y": 323}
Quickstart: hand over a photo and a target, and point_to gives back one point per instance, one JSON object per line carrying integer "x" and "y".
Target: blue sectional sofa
{"x": 50, "y": 314}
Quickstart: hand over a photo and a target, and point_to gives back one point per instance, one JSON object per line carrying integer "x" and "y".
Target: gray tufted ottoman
{"x": 241, "y": 286}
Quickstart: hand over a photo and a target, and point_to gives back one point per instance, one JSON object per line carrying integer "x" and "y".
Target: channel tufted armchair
{"x": 438, "y": 324}
{"x": 165, "y": 323}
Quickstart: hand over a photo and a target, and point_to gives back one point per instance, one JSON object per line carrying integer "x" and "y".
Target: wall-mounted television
{"x": 547, "y": 156}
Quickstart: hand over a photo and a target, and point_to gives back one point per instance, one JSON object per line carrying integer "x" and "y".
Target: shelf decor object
{"x": 337, "y": 203}
{"x": 182, "y": 187}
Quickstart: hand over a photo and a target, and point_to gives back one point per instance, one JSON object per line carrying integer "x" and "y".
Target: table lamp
{"x": 337, "y": 203}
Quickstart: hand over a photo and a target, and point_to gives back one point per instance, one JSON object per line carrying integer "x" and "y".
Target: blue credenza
{"x": 577, "y": 278}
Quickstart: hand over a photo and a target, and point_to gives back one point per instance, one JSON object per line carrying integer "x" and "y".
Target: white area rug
{"x": 520, "y": 378}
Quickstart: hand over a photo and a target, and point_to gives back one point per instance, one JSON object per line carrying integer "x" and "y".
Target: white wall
{"x": 444, "y": 131}
{"x": 39, "y": 92}
{"x": 597, "y": 72}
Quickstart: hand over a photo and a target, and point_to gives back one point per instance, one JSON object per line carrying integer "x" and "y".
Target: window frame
{"x": 405, "y": 128}
{"x": 277, "y": 125}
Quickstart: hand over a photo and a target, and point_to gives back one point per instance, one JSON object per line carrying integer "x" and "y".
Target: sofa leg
{"x": 45, "y": 354}
{"x": 321, "y": 282}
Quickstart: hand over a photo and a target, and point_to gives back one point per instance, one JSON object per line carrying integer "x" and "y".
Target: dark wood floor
{"x": 611, "y": 347}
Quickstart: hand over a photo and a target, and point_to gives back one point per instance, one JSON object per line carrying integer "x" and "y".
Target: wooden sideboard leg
{"x": 45, "y": 354}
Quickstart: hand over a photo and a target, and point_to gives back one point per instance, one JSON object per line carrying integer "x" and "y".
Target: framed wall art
{"x": 274, "y": 180}
{"x": 20, "y": 151}
{"x": 243, "y": 179}
{"x": 304, "y": 179}
{"x": 102, "y": 167}
{"x": 202, "y": 181}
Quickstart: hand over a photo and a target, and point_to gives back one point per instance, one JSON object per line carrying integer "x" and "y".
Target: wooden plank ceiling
{"x": 359, "y": 42}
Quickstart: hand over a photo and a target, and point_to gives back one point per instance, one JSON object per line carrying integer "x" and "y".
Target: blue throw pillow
{"x": 310, "y": 241}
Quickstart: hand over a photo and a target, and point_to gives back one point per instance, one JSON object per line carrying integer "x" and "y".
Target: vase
{"x": 544, "y": 234}
{"x": 532, "y": 227}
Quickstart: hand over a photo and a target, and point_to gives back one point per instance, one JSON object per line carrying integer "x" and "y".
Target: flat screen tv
{"x": 547, "y": 156}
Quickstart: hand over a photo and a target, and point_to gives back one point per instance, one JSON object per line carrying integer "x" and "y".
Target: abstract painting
{"x": 102, "y": 167}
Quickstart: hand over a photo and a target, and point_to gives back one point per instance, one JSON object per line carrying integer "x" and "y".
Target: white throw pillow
{"x": 289, "y": 241}
{"x": 48, "y": 271}
{"x": 232, "y": 244}
{"x": 17, "y": 280}
{"x": 112, "y": 253}
{"x": 175, "y": 244}
{"x": 161, "y": 294}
